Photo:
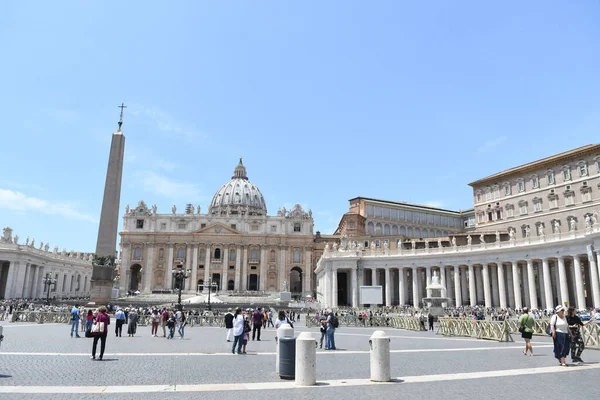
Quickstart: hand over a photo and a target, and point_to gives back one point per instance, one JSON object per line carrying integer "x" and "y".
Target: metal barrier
{"x": 489, "y": 330}
{"x": 41, "y": 317}
{"x": 590, "y": 334}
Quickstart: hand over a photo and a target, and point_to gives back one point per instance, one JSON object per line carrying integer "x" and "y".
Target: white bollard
{"x": 380, "y": 357}
{"x": 285, "y": 330}
{"x": 306, "y": 360}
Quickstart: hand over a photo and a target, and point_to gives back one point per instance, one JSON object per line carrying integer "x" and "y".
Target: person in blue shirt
{"x": 120, "y": 318}
{"x": 75, "y": 320}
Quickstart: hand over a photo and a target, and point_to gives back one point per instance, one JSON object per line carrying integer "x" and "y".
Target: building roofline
{"x": 539, "y": 163}
{"x": 403, "y": 203}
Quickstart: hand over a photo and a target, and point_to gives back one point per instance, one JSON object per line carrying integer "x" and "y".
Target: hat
{"x": 559, "y": 308}
{"x": 229, "y": 309}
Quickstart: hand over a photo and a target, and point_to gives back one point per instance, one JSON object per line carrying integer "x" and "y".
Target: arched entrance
{"x": 135, "y": 277}
{"x": 296, "y": 280}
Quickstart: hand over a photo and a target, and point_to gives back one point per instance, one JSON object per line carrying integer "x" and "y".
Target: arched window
{"x": 394, "y": 230}
{"x": 202, "y": 254}
{"x": 386, "y": 229}
{"x": 418, "y": 232}
{"x": 296, "y": 256}
{"x": 217, "y": 254}
{"x": 137, "y": 253}
{"x": 180, "y": 253}
{"x": 371, "y": 227}
{"x": 378, "y": 229}
{"x": 409, "y": 232}
{"x": 403, "y": 231}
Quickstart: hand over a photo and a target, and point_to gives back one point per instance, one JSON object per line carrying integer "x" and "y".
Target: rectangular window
{"x": 586, "y": 196}
{"x": 569, "y": 200}
{"x": 297, "y": 227}
{"x": 598, "y": 166}
{"x": 232, "y": 255}
{"x": 488, "y": 195}
{"x": 181, "y": 226}
{"x": 510, "y": 212}
{"x": 479, "y": 197}
{"x": 233, "y": 226}
{"x": 583, "y": 170}
{"x": 254, "y": 228}
{"x": 521, "y": 186}
{"x": 537, "y": 206}
{"x": 201, "y": 266}
{"x": 386, "y": 213}
{"x": 535, "y": 182}
{"x": 377, "y": 243}
{"x": 273, "y": 228}
{"x": 351, "y": 225}
{"x": 232, "y": 267}
{"x": 507, "y": 190}
{"x": 567, "y": 174}
{"x": 202, "y": 226}
{"x": 202, "y": 254}
{"x": 387, "y": 241}
{"x": 497, "y": 193}
{"x": 163, "y": 226}
{"x": 523, "y": 209}
{"x": 553, "y": 203}
{"x": 139, "y": 224}
{"x": 550, "y": 177}
{"x": 490, "y": 216}
{"x": 378, "y": 212}
{"x": 498, "y": 214}
{"x": 366, "y": 244}
{"x": 480, "y": 218}
{"x": 370, "y": 211}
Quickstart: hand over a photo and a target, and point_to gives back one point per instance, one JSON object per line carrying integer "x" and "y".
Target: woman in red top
{"x": 101, "y": 317}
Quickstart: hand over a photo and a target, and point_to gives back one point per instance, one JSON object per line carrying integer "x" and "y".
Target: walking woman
{"x": 155, "y": 322}
{"x": 102, "y": 320}
{"x": 133, "y": 320}
{"x": 238, "y": 331}
{"x": 526, "y": 328}
{"x": 575, "y": 325}
{"x": 182, "y": 324}
{"x": 560, "y": 335}
{"x": 89, "y": 320}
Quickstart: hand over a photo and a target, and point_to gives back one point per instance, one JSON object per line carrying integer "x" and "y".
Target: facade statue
{"x": 326, "y": 249}
{"x": 595, "y": 218}
{"x": 127, "y": 209}
{"x": 7, "y": 235}
{"x": 572, "y": 224}
{"x": 588, "y": 221}
{"x": 511, "y": 234}
{"x": 399, "y": 244}
{"x": 154, "y": 209}
{"x": 469, "y": 240}
{"x": 55, "y": 250}
{"x": 435, "y": 279}
{"x": 16, "y": 239}
{"x": 427, "y": 244}
{"x": 285, "y": 286}
{"x": 309, "y": 213}
{"x": 497, "y": 236}
{"x": 46, "y": 247}
{"x": 440, "y": 243}
{"x": 482, "y": 238}
{"x": 527, "y": 231}
{"x": 174, "y": 209}
{"x": 63, "y": 252}
{"x": 372, "y": 245}
{"x": 32, "y": 243}
{"x": 335, "y": 247}
{"x": 556, "y": 226}
{"x": 27, "y": 241}
{"x": 540, "y": 230}
{"x": 386, "y": 245}
{"x": 414, "y": 244}
{"x": 198, "y": 209}
{"x": 41, "y": 245}
{"x": 453, "y": 241}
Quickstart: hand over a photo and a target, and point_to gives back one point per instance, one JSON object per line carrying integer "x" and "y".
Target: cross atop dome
{"x": 240, "y": 171}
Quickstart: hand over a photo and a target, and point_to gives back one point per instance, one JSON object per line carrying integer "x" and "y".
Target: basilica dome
{"x": 239, "y": 196}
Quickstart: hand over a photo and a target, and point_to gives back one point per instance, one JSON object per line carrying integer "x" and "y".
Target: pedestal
{"x": 285, "y": 296}
{"x": 101, "y": 284}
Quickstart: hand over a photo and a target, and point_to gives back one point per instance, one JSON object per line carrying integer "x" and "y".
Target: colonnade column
{"x": 415, "y": 287}
{"x": 401, "y": 295}
{"x": 354, "y": 283}
{"x": 532, "y": 288}
{"x": 334, "y": 291}
{"x": 479, "y": 280}
{"x": 244, "y": 282}
{"x": 263, "y": 270}
{"x": 309, "y": 270}
{"x": 373, "y": 276}
{"x": 188, "y": 265}
{"x": 428, "y": 280}
{"x": 388, "y": 288}
{"x": 457, "y": 293}
{"x": 501, "y": 285}
{"x": 464, "y": 284}
{"x": 593, "y": 276}
{"x": 516, "y": 285}
{"x": 207, "y": 263}
{"x": 547, "y": 283}
{"x": 578, "y": 283}
{"x": 494, "y": 278}
{"x": 168, "y": 272}
{"x": 148, "y": 268}
{"x": 472, "y": 289}
{"x": 224, "y": 277}
{"x": 194, "y": 277}
{"x": 562, "y": 281}
{"x": 238, "y": 269}
{"x": 443, "y": 280}
{"x": 510, "y": 288}
{"x": 486, "y": 285}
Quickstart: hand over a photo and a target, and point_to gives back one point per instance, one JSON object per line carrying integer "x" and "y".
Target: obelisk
{"x": 103, "y": 270}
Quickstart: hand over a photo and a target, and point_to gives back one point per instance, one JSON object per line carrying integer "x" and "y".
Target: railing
{"x": 490, "y": 330}
{"x": 409, "y": 323}
{"x": 41, "y": 317}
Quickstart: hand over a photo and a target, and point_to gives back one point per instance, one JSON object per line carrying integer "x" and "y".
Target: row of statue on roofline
{"x": 7, "y": 237}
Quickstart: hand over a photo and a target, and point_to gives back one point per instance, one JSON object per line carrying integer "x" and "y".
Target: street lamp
{"x": 49, "y": 281}
{"x": 180, "y": 276}
{"x": 210, "y": 285}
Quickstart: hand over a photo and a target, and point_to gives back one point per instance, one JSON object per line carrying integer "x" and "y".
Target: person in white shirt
{"x": 238, "y": 331}
{"x": 560, "y": 335}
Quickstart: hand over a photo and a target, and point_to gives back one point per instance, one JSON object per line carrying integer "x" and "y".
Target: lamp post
{"x": 210, "y": 284}
{"x": 180, "y": 276}
{"x": 49, "y": 281}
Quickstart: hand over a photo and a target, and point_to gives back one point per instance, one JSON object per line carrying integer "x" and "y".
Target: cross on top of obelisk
{"x": 122, "y": 106}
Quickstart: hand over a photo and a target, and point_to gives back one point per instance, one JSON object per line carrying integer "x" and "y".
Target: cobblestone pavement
{"x": 43, "y": 358}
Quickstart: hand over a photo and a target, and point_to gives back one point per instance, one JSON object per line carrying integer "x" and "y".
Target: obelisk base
{"x": 101, "y": 285}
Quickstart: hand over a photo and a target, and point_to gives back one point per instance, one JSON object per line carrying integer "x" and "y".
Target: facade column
{"x": 354, "y": 286}
{"x": 511, "y": 288}
{"x": 169, "y": 268}
{"x": 443, "y": 280}
{"x": 472, "y": 288}
{"x": 428, "y": 280}
{"x": 486, "y": 285}
{"x": 593, "y": 277}
{"x": 415, "y": 287}
{"x": 547, "y": 284}
{"x": 580, "y": 295}
{"x": 494, "y": 278}
{"x": 532, "y": 288}
{"x": 450, "y": 291}
{"x": 195, "y": 268}
{"x": 9, "y": 288}
{"x": 224, "y": 277}
{"x": 464, "y": 284}
{"x": 262, "y": 281}
{"x": 308, "y": 274}
{"x": 373, "y": 276}
{"x": 542, "y": 286}
{"x": 27, "y": 278}
{"x": 525, "y": 280}
{"x": 479, "y": 283}
{"x": 388, "y": 287}
{"x": 501, "y": 285}
{"x": 188, "y": 265}
{"x": 36, "y": 269}
{"x": 517, "y": 285}
{"x": 562, "y": 281}
{"x": 334, "y": 291}
{"x": 207, "y": 263}
{"x": 401, "y": 291}
{"x": 282, "y": 268}
{"x": 457, "y": 292}
{"x": 238, "y": 269}
{"x": 149, "y": 268}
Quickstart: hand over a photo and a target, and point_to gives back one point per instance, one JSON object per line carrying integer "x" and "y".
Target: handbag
{"x": 522, "y": 326}
{"x": 97, "y": 329}
{"x": 548, "y": 327}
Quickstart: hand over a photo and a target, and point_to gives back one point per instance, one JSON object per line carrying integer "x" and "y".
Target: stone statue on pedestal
{"x": 453, "y": 241}
{"x": 16, "y": 239}
{"x": 572, "y": 224}
{"x": 469, "y": 240}
{"x": 174, "y": 209}
{"x": 556, "y": 226}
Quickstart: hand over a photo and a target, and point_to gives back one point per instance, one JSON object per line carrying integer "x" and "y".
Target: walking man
{"x": 270, "y": 319}
{"x": 229, "y": 324}
{"x": 257, "y": 322}
{"x": 120, "y": 320}
{"x": 75, "y": 320}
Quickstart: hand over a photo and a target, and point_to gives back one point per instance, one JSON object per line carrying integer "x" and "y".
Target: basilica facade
{"x": 531, "y": 239}
{"x": 234, "y": 246}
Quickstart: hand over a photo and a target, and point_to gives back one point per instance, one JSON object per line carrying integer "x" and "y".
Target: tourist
{"x": 171, "y": 325}
{"x": 229, "y": 324}
{"x": 163, "y": 321}
{"x": 264, "y": 319}
{"x": 281, "y": 319}
{"x": 323, "y": 330}
{"x": 246, "y": 337}
{"x": 560, "y": 335}
{"x": 270, "y": 320}
{"x": 182, "y": 324}
{"x": 257, "y": 318}
{"x": 330, "y": 333}
{"x": 575, "y": 325}
{"x": 133, "y": 320}
{"x": 525, "y": 324}
{"x": 430, "y": 320}
{"x": 75, "y": 320}
{"x": 155, "y": 322}
{"x": 101, "y": 318}
{"x": 238, "y": 331}
{"x": 119, "y": 321}
{"x": 89, "y": 320}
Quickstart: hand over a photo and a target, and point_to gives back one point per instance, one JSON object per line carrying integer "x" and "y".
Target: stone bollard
{"x": 285, "y": 330}
{"x": 380, "y": 357}
{"x": 306, "y": 360}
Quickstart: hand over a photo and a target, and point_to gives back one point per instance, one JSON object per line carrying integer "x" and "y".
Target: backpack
{"x": 336, "y": 322}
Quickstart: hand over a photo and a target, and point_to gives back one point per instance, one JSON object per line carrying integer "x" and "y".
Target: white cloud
{"x": 434, "y": 203}
{"x": 166, "y": 187}
{"x": 163, "y": 121}
{"x": 491, "y": 144}
{"x": 19, "y": 202}
{"x": 147, "y": 159}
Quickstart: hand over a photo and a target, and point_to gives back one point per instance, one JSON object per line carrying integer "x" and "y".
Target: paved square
{"x": 44, "y": 359}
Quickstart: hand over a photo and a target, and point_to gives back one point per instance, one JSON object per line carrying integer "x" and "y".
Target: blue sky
{"x": 324, "y": 100}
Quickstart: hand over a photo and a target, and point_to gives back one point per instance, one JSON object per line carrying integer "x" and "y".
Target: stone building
{"x": 23, "y": 267}
{"x": 234, "y": 246}
{"x": 545, "y": 253}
